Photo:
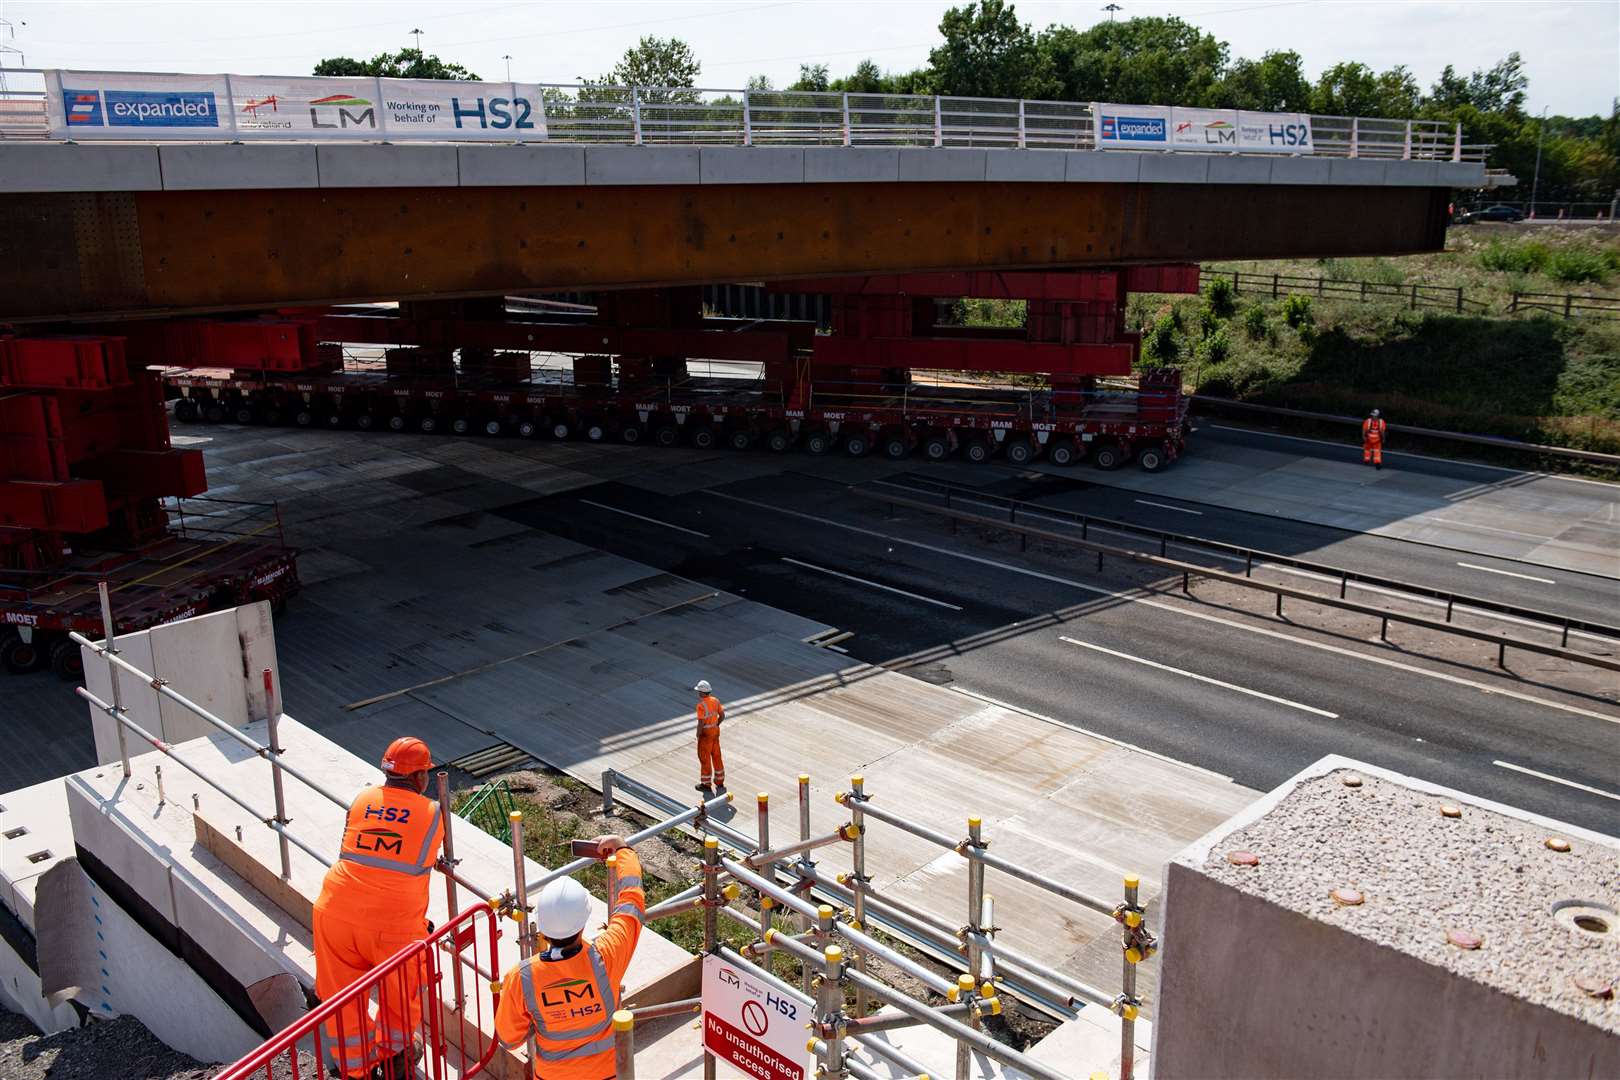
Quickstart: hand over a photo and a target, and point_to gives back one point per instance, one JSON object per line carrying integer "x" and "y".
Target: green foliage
{"x": 812, "y": 77}
{"x": 1274, "y": 83}
{"x": 405, "y": 64}
{"x": 654, "y": 63}
{"x": 1255, "y": 323}
{"x": 1380, "y": 271}
{"x": 1297, "y": 311}
{"x": 1144, "y": 61}
{"x": 1002, "y": 313}
{"x": 1515, "y": 256}
{"x": 1574, "y": 265}
{"x": 1161, "y": 346}
{"x": 1221, "y": 296}
{"x": 987, "y": 52}
{"x": 1214, "y": 348}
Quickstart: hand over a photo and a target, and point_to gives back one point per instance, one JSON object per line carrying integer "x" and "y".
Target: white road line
{"x": 1557, "y": 780}
{"x": 1010, "y": 707}
{"x": 873, "y": 584}
{"x": 1201, "y": 678}
{"x": 1368, "y": 658}
{"x": 643, "y": 517}
{"x": 1167, "y": 506}
{"x": 1506, "y": 573}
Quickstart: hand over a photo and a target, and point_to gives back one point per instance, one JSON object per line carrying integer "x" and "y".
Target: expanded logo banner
{"x": 111, "y": 105}
{"x": 1214, "y": 131}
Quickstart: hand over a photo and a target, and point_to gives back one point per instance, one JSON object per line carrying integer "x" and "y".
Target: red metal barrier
{"x": 451, "y": 972}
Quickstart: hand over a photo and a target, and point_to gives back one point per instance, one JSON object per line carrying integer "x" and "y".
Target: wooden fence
{"x": 1418, "y": 295}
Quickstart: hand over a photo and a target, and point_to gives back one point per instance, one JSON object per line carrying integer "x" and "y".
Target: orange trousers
{"x": 346, "y": 952}
{"x": 1372, "y": 450}
{"x": 711, "y": 766}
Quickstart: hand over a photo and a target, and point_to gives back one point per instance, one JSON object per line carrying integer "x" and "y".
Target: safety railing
{"x": 656, "y": 115}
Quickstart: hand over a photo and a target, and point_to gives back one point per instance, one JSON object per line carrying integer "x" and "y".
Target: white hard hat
{"x": 563, "y": 908}
{"x": 1375, "y": 412}
{"x": 703, "y": 686}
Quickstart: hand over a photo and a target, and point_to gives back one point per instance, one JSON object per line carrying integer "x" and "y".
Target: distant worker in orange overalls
{"x": 711, "y": 766}
{"x": 564, "y": 996}
{"x": 1372, "y": 440}
{"x": 373, "y": 903}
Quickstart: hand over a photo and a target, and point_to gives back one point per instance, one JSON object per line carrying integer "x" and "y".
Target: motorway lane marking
{"x": 1201, "y": 678}
{"x": 1420, "y": 457}
{"x": 643, "y": 517}
{"x": 1506, "y": 573}
{"x": 1010, "y": 707}
{"x": 873, "y": 584}
{"x": 1440, "y": 676}
{"x": 1557, "y": 779}
{"x": 1167, "y": 506}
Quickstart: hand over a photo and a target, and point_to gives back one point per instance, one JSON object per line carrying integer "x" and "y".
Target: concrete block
{"x": 521, "y": 166}
{"x": 100, "y": 829}
{"x": 851, "y": 164}
{"x": 1356, "y": 171}
{"x": 79, "y": 167}
{"x": 751, "y": 165}
{"x": 1413, "y": 174}
{"x": 1240, "y": 169}
{"x": 959, "y": 164}
{"x": 1460, "y": 174}
{"x": 1176, "y": 168}
{"x": 217, "y": 166}
{"x": 1300, "y": 170}
{"x": 375, "y": 165}
{"x": 642, "y": 165}
{"x": 1028, "y": 166}
{"x": 1102, "y": 166}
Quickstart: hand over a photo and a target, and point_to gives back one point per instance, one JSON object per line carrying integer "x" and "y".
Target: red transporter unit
{"x": 88, "y": 482}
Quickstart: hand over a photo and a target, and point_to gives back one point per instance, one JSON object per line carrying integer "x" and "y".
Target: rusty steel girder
{"x": 76, "y": 256}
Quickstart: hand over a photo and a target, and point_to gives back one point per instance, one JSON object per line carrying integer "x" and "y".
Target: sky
{"x": 1571, "y": 48}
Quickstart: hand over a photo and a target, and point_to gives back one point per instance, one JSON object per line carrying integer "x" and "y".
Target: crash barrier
{"x": 1563, "y": 625}
{"x": 372, "y": 1022}
{"x": 1592, "y": 456}
{"x": 829, "y": 944}
{"x": 144, "y": 106}
{"x": 1189, "y": 571}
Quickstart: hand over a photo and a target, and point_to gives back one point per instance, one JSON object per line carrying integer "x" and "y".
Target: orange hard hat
{"x": 405, "y": 755}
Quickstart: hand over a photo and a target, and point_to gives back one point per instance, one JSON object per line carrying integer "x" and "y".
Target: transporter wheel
{"x": 1151, "y": 459}
{"x": 460, "y": 425}
{"x": 742, "y": 439}
{"x": 527, "y": 429}
{"x": 630, "y": 434}
{"x": 427, "y": 425}
{"x": 818, "y": 442}
{"x": 214, "y": 413}
{"x": 303, "y": 418}
{"x": 67, "y": 661}
{"x": 937, "y": 447}
{"x": 1062, "y": 452}
{"x": 976, "y": 451}
{"x": 1020, "y": 451}
{"x": 779, "y": 440}
{"x": 185, "y": 410}
{"x": 896, "y": 447}
{"x": 668, "y": 435}
{"x": 333, "y": 419}
{"x": 271, "y": 416}
{"x": 857, "y": 444}
{"x": 396, "y": 422}
{"x": 365, "y": 421}
{"x": 20, "y": 657}
{"x": 492, "y": 427}
{"x": 703, "y": 437}
{"x": 242, "y": 414}
{"x": 594, "y": 431}
{"x": 560, "y": 430}
{"x": 1108, "y": 457}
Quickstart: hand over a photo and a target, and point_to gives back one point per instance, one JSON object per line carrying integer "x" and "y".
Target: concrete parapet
{"x": 1301, "y": 170}
{"x": 1357, "y": 923}
{"x": 216, "y": 166}
{"x": 1042, "y": 166}
{"x": 641, "y": 165}
{"x": 1357, "y": 171}
{"x": 1175, "y": 168}
{"x": 1093, "y": 167}
{"x": 1239, "y": 169}
{"x": 1415, "y": 174}
{"x": 521, "y": 166}
{"x": 374, "y": 165}
{"x": 851, "y": 164}
{"x": 751, "y": 164}
{"x": 919, "y": 163}
{"x": 76, "y": 167}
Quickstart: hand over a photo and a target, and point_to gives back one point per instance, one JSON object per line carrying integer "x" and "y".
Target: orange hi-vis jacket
{"x": 565, "y": 999}
{"x": 391, "y": 842}
{"x": 709, "y": 714}
{"x": 1372, "y": 430}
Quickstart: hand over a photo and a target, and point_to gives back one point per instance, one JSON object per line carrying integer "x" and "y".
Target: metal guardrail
{"x": 702, "y": 116}
{"x": 1188, "y": 571}
{"x": 1593, "y": 456}
{"x": 1563, "y": 625}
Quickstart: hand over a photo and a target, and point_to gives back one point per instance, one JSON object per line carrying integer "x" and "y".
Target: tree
{"x": 867, "y": 78}
{"x": 1146, "y": 61}
{"x": 812, "y": 77}
{"x": 758, "y": 83}
{"x": 664, "y": 69}
{"x": 987, "y": 52}
{"x": 1354, "y": 89}
{"x": 405, "y": 64}
{"x": 1274, "y": 83}
{"x": 1501, "y": 88}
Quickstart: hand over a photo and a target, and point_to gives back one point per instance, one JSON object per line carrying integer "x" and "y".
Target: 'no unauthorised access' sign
{"x": 754, "y": 1027}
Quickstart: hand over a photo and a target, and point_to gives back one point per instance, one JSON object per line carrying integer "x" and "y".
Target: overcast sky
{"x": 1571, "y": 48}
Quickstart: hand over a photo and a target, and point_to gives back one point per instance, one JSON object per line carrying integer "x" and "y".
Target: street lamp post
{"x": 417, "y": 34}
{"x": 508, "y": 59}
{"x": 1536, "y": 183}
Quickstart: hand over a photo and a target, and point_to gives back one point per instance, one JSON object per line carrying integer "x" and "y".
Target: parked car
{"x": 1492, "y": 213}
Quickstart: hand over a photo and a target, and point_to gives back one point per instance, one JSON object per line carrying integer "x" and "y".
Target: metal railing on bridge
{"x": 238, "y": 107}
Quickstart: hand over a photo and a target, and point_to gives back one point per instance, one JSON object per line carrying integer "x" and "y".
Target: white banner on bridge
{"x": 1274, "y": 133}
{"x": 1213, "y": 131}
{"x": 1220, "y": 131}
{"x": 116, "y": 105}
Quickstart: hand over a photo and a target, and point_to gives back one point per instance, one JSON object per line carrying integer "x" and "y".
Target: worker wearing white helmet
{"x": 711, "y": 766}
{"x": 1372, "y": 440}
{"x": 564, "y": 996}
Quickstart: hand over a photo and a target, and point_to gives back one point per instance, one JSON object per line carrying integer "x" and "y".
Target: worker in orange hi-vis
{"x": 372, "y": 904}
{"x": 711, "y": 766}
{"x": 1372, "y": 440}
{"x": 564, "y": 996}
